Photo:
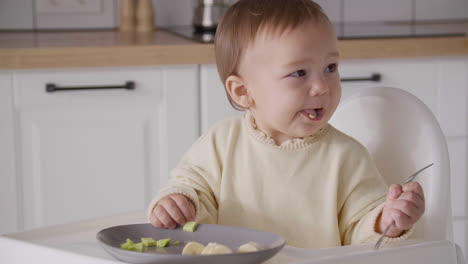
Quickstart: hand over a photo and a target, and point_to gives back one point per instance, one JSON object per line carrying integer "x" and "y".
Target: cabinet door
{"x": 453, "y": 97}
{"x": 453, "y": 102}
{"x": 418, "y": 77}
{"x": 90, "y": 153}
{"x": 215, "y": 105}
{"x": 8, "y": 194}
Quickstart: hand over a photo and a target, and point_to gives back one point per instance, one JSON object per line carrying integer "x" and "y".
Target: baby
{"x": 281, "y": 167}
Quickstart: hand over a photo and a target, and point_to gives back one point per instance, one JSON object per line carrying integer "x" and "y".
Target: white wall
{"x": 173, "y": 12}
{"x": 16, "y": 14}
{"x": 21, "y": 14}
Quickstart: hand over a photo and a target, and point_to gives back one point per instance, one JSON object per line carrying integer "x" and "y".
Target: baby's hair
{"x": 246, "y": 18}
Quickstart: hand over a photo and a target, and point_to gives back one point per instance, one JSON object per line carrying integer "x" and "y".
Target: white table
{"x": 76, "y": 243}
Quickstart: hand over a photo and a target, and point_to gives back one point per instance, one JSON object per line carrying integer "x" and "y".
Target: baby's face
{"x": 293, "y": 80}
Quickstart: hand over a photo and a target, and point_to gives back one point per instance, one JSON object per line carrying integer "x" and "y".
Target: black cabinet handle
{"x": 375, "y": 77}
{"x": 51, "y": 87}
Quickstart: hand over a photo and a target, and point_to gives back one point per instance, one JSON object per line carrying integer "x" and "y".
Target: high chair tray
{"x": 77, "y": 243}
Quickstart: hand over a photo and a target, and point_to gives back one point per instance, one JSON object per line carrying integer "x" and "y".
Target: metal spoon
{"x": 410, "y": 179}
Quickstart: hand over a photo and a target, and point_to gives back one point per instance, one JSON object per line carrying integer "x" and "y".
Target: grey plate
{"x": 233, "y": 237}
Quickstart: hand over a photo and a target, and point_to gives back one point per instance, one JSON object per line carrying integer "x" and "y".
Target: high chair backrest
{"x": 402, "y": 135}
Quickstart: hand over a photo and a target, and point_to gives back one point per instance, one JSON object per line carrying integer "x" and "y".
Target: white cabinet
{"x": 418, "y": 77}
{"x": 453, "y": 101}
{"x": 8, "y": 194}
{"x": 90, "y": 153}
{"x": 453, "y": 97}
{"x": 214, "y": 103}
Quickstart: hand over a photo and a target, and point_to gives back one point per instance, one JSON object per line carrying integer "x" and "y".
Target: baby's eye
{"x": 298, "y": 73}
{"x": 331, "y": 68}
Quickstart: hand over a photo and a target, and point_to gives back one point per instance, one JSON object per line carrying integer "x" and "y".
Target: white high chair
{"x": 402, "y": 135}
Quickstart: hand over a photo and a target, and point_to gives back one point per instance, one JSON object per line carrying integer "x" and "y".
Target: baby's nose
{"x": 318, "y": 87}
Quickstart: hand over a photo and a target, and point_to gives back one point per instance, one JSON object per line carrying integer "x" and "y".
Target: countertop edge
{"x": 52, "y": 57}
{"x": 403, "y": 47}
{"x": 195, "y": 53}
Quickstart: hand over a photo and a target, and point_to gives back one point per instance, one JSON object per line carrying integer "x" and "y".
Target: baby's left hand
{"x": 404, "y": 205}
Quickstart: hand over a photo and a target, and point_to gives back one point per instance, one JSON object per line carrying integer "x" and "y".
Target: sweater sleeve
{"x": 364, "y": 197}
{"x": 197, "y": 176}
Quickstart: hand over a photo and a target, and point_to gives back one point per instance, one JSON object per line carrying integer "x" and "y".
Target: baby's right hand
{"x": 172, "y": 210}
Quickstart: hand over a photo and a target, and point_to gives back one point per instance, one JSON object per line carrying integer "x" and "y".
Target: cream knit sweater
{"x": 317, "y": 192}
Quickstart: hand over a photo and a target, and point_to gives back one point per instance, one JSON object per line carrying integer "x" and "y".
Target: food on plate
{"x": 190, "y": 226}
{"x": 193, "y": 248}
{"x": 249, "y": 247}
{"x": 216, "y": 248}
{"x": 148, "y": 241}
{"x": 140, "y": 247}
{"x": 144, "y": 244}
{"x": 130, "y": 245}
{"x": 163, "y": 242}
{"x": 127, "y": 245}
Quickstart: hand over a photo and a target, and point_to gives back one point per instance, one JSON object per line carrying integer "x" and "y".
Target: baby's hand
{"x": 172, "y": 210}
{"x": 404, "y": 205}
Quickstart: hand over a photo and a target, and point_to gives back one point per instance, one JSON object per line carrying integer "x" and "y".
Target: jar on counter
{"x": 145, "y": 16}
{"x": 127, "y": 15}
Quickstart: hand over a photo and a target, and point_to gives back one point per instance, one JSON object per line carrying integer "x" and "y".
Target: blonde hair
{"x": 246, "y": 18}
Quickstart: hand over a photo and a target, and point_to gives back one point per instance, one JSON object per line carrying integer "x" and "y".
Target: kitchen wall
{"x": 16, "y": 14}
{"x": 60, "y": 14}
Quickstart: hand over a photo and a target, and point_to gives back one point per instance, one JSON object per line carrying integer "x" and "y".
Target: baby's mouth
{"x": 315, "y": 114}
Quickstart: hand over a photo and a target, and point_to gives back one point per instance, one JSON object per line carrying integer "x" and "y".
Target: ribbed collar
{"x": 291, "y": 144}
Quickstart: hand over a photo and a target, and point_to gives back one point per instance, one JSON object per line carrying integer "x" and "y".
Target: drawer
{"x": 31, "y": 87}
{"x": 419, "y": 77}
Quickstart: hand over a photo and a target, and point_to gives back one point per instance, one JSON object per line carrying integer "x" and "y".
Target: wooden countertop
{"x": 26, "y": 50}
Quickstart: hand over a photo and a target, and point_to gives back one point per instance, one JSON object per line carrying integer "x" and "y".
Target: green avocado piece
{"x": 130, "y": 245}
{"x": 163, "y": 242}
{"x": 127, "y": 245}
{"x": 176, "y": 243}
{"x": 190, "y": 226}
{"x": 140, "y": 247}
{"x": 148, "y": 241}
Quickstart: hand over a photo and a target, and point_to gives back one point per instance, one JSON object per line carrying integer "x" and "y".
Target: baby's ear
{"x": 237, "y": 89}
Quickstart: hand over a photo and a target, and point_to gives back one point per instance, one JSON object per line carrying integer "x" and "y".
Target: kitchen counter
{"x": 35, "y": 50}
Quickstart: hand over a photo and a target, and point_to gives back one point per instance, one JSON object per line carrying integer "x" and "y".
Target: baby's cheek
{"x": 284, "y": 110}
